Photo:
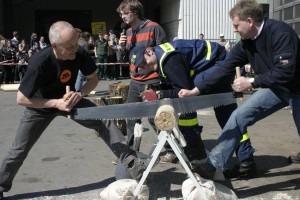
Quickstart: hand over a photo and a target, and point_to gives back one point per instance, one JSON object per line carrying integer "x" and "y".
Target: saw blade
{"x": 148, "y": 109}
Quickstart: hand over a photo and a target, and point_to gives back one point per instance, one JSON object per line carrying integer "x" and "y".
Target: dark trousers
{"x": 102, "y": 70}
{"x": 7, "y": 74}
{"x": 135, "y": 89}
{"x": 33, "y": 124}
{"x": 114, "y": 70}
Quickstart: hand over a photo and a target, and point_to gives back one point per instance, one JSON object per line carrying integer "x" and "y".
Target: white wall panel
{"x": 210, "y": 17}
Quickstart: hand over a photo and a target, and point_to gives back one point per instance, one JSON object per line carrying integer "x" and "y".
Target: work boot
{"x": 294, "y": 159}
{"x": 169, "y": 157}
{"x": 203, "y": 169}
{"x": 136, "y": 166}
{"x": 246, "y": 169}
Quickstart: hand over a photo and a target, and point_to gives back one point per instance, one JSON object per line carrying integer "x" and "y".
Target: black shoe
{"x": 1, "y": 195}
{"x": 248, "y": 169}
{"x": 294, "y": 159}
{"x": 203, "y": 169}
{"x": 244, "y": 170}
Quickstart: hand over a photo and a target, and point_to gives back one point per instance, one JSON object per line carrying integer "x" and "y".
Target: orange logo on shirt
{"x": 65, "y": 76}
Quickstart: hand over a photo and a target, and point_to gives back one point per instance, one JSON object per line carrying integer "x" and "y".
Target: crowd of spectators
{"x": 15, "y": 54}
{"x": 108, "y": 50}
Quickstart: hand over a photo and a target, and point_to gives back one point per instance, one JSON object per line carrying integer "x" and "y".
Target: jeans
{"x": 79, "y": 81}
{"x": 33, "y": 124}
{"x": 295, "y": 100}
{"x": 261, "y": 104}
{"x": 244, "y": 150}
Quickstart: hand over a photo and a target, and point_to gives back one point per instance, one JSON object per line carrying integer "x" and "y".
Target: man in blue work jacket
{"x": 181, "y": 65}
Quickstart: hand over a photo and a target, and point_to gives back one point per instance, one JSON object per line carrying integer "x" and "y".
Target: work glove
{"x": 149, "y": 95}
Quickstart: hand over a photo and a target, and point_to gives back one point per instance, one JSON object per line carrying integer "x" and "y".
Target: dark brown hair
{"x": 132, "y": 5}
{"x": 245, "y": 9}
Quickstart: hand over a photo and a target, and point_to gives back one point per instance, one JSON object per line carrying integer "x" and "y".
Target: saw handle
{"x": 238, "y": 75}
{"x": 68, "y": 89}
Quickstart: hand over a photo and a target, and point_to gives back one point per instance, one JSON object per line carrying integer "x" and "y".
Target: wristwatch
{"x": 251, "y": 80}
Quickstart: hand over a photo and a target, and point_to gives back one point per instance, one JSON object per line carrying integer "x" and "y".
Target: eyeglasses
{"x": 125, "y": 14}
{"x": 69, "y": 48}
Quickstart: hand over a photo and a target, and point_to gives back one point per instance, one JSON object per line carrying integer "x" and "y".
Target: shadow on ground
{"x": 64, "y": 191}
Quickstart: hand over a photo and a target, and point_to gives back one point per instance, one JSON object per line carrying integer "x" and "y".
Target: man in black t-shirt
{"x": 43, "y": 93}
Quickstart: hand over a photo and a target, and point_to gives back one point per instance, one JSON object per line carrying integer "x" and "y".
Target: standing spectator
{"x": 9, "y": 54}
{"x": 101, "y": 48}
{"x": 106, "y": 37}
{"x": 22, "y": 59}
{"x": 112, "y": 58}
{"x": 23, "y": 47}
{"x": 201, "y": 36}
{"x": 224, "y": 42}
{"x": 33, "y": 39}
{"x": 36, "y": 47}
{"x": 42, "y": 42}
{"x": 91, "y": 45}
{"x": 14, "y": 41}
{"x": 142, "y": 32}
{"x": 29, "y": 55}
{"x": 111, "y": 36}
{"x": 2, "y": 45}
{"x": 122, "y": 57}
{"x": 83, "y": 42}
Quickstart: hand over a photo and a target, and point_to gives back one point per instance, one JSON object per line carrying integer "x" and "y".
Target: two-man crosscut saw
{"x": 148, "y": 109}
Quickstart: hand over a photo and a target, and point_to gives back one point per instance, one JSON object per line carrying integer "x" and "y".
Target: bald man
{"x": 43, "y": 93}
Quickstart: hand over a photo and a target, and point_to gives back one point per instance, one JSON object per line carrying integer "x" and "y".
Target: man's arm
{"x": 186, "y": 93}
{"x": 90, "y": 84}
{"x": 160, "y": 35}
{"x": 222, "y": 70}
{"x": 65, "y": 103}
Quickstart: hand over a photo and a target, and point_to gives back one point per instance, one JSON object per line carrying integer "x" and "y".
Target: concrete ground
{"x": 71, "y": 162}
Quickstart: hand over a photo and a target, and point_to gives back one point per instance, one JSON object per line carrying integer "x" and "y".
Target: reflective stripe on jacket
{"x": 199, "y": 54}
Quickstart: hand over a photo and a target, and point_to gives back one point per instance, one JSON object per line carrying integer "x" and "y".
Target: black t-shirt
{"x": 48, "y": 77}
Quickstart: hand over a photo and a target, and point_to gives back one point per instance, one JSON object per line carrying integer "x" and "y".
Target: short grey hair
{"x": 56, "y": 29}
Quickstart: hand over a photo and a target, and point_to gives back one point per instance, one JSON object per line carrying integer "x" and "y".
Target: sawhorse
{"x": 168, "y": 136}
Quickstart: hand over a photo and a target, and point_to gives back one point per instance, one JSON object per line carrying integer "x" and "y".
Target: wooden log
{"x": 117, "y": 100}
{"x": 112, "y": 88}
{"x": 114, "y": 100}
{"x": 108, "y": 100}
{"x": 119, "y": 89}
{"x": 10, "y": 87}
{"x": 165, "y": 118}
{"x": 99, "y": 101}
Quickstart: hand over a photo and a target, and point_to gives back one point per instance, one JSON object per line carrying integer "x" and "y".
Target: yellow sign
{"x": 98, "y": 27}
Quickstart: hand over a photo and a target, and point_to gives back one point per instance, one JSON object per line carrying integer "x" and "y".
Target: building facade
{"x": 287, "y": 11}
{"x": 184, "y": 19}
